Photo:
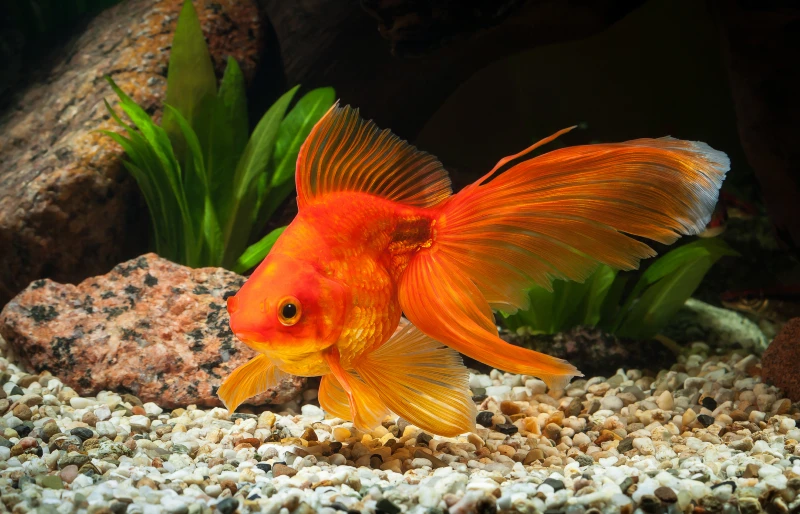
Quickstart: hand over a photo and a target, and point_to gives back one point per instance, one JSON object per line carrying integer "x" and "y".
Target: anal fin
{"x": 421, "y": 380}
{"x": 367, "y": 410}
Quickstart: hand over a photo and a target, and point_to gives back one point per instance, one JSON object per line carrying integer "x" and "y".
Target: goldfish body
{"x": 380, "y": 234}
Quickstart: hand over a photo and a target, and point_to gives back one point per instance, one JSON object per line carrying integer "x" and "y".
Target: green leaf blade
{"x": 256, "y": 252}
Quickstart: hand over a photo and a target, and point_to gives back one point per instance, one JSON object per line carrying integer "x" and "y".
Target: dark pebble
{"x": 506, "y": 428}
{"x": 254, "y": 497}
{"x": 5, "y": 442}
{"x": 649, "y": 503}
{"x": 478, "y": 398}
{"x": 729, "y": 482}
{"x": 384, "y": 506}
{"x": 118, "y": 507}
{"x": 16, "y": 390}
{"x": 424, "y": 438}
{"x": 133, "y": 400}
{"x": 709, "y": 403}
{"x": 584, "y": 460}
{"x": 242, "y": 415}
{"x": 484, "y": 418}
{"x": 24, "y": 429}
{"x": 336, "y": 446}
{"x": 666, "y": 495}
{"x": 705, "y": 420}
{"x": 228, "y": 506}
{"x": 625, "y": 445}
{"x": 338, "y": 506}
{"x": 82, "y": 433}
{"x": 557, "y": 485}
{"x": 263, "y": 466}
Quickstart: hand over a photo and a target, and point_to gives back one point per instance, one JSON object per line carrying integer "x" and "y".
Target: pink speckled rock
{"x": 149, "y": 327}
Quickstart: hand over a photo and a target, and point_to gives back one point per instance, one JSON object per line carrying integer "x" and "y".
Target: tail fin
{"x": 554, "y": 216}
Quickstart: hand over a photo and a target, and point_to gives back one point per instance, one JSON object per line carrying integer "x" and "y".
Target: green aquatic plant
{"x": 209, "y": 188}
{"x": 661, "y": 290}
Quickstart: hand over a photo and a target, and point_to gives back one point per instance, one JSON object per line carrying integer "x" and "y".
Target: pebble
{"x": 630, "y": 443}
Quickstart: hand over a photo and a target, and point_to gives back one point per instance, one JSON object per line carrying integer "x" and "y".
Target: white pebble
{"x": 644, "y": 445}
{"x": 79, "y": 403}
{"x": 611, "y": 403}
{"x": 151, "y": 409}
{"x": 665, "y": 401}
{"x": 139, "y": 421}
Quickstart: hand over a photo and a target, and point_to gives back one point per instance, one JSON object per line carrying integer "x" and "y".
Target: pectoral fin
{"x": 254, "y": 377}
{"x": 421, "y": 380}
{"x": 333, "y": 399}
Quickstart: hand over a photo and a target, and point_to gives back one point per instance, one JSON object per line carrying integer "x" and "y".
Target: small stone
{"x": 151, "y": 409}
{"x": 139, "y": 421}
{"x": 263, "y": 466}
{"x": 68, "y": 473}
{"x": 282, "y": 469}
{"x": 50, "y": 429}
{"x": 584, "y": 460}
{"x": 665, "y": 401}
{"x": 507, "y": 428}
{"x": 138, "y": 410}
{"x": 31, "y": 400}
{"x": 666, "y": 495}
{"x": 625, "y": 445}
{"x": 484, "y": 418}
{"x": 709, "y": 403}
{"x": 535, "y": 455}
{"x": 385, "y": 506}
{"x": 90, "y": 419}
{"x": 557, "y": 485}
{"x": 611, "y": 403}
{"x": 751, "y": 471}
{"x": 82, "y": 433}
{"x": 132, "y": 399}
{"x": 22, "y": 411}
{"x": 52, "y": 482}
{"x": 341, "y": 434}
{"x": 509, "y": 408}
{"x": 705, "y": 420}
{"x": 27, "y": 380}
{"x": 228, "y": 505}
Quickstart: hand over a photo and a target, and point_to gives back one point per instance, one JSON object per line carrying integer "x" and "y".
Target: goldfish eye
{"x": 289, "y": 311}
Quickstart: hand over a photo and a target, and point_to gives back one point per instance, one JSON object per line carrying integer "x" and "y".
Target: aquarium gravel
{"x": 705, "y": 435}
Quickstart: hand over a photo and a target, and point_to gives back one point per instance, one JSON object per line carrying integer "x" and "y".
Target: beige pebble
{"x": 665, "y": 401}
{"x": 341, "y": 434}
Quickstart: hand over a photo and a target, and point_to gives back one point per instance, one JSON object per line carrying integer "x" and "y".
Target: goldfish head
{"x": 287, "y": 307}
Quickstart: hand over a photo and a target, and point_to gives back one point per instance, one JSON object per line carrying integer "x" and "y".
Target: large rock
{"x": 149, "y": 327}
{"x": 65, "y": 200}
{"x": 780, "y": 364}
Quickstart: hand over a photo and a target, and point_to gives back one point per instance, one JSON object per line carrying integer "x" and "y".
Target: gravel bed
{"x": 706, "y": 436}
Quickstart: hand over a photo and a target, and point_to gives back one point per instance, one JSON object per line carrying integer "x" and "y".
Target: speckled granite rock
{"x": 780, "y": 364}
{"x": 64, "y": 196}
{"x": 149, "y": 327}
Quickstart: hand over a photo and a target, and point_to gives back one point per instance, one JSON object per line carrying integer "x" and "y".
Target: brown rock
{"x": 666, "y": 495}
{"x": 282, "y": 469}
{"x": 780, "y": 364}
{"x": 67, "y": 207}
{"x": 150, "y": 327}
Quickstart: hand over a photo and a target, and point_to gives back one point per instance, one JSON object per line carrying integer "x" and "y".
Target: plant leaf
{"x": 599, "y": 285}
{"x": 229, "y": 136}
{"x": 295, "y": 128}
{"x": 253, "y": 163}
{"x": 191, "y": 83}
{"x": 259, "y": 149}
{"x": 666, "y": 285}
{"x": 212, "y": 234}
{"x": 256, "y": 252}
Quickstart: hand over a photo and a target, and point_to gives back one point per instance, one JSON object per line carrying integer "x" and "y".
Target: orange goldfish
{"x": 380, "y": 234}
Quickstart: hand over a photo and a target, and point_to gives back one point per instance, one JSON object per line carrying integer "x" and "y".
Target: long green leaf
{"x": 259, "y": 149}
{"x": 599, "y": 285}
{"x": 667, "y": 284}
{"x": 229, "y": 136}
{"x": 253, "y": 163}
{"x": 256, "y": 253}
{"x": 212, "y": 234}
{"x": 294, "y": 129}
{"x": 191, "y": 83}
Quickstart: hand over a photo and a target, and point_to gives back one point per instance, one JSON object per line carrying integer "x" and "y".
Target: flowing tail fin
{"x": 554, "y": 216}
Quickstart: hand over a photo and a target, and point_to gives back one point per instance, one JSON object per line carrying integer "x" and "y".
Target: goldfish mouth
{"x": 248, "y": 337}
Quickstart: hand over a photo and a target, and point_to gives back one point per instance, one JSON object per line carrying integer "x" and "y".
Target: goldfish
{"x": 385, "y": 275}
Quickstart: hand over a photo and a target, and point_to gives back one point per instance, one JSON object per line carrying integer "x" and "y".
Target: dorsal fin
{"x": 347, "y": 153}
